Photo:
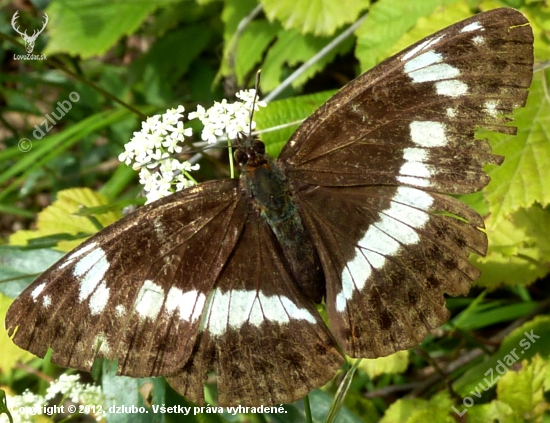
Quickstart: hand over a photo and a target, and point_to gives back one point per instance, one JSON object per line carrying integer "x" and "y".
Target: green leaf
{"x": 481, "y": 314}
{"x": 320, "y": 17}
{"x": 137, "y": 392}
{"x": 234, "y": 11}
{"x": 166, "y": 62}
{"x": 519, "y": 249}
{"x": 73, "y": 23}
{"x": 18, "y": 267}
{"x": 524, "y": 342}
{"x": 416, "y": 410}
{"x": 252, "y": 44}
{"x": 388, "y": 21}
{"x": 283, "y": 112}
{"x": 445, "y": 14}
{"x": 495, "y": 411}
{"x": 294, "y": 48}
{"x": 524, "y": 177}
{"x": 60, "y": 217}
{"x": 394, "y": 363}
{"x": 524, "y": 391}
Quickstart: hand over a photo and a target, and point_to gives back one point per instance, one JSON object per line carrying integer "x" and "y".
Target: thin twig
{"x": 439, "y": 372}
{"x": 477, "y": 352}
{"x": 31, "y": 370}
{"x": 391, "y": 389}
{"x": 541, "y": 66}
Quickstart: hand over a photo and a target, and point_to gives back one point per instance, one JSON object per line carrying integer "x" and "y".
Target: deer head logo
{"x": 29, "y": 40}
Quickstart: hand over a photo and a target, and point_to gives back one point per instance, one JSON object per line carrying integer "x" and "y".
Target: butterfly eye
{"x": 259, "y": 147}
{"x": 240, "y": 157}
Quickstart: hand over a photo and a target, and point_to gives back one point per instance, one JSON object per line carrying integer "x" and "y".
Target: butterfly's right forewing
{"x": 136, "y": 291}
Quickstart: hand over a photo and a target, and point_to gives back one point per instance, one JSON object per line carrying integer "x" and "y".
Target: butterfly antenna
{"x": 258, "y": 76}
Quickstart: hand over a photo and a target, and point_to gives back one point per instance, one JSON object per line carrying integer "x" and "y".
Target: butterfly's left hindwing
{"x": 385, "y": 283}
{"x": 134, "y": 292}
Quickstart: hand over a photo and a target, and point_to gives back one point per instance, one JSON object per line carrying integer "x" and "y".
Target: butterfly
{"x": 225, "y": 275}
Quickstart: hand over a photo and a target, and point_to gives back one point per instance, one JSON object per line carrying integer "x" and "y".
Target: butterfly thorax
{"x": 267, "y": 186}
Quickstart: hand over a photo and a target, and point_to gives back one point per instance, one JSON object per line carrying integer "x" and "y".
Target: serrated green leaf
{"x": 394, "y": 363}
{"x": 523, "y": 390}
{"x": 319, "y": 17}
{"x": 519, "y": 249}
{"x": 252, "y": 44}
{"x": 11, "y": 353}
{"x": 495, "y": 411}
{"x": 283, "y": 112}
{"x": 518, "y": 343}
{"x": 293, "y": 48}
{"x": 74, "y": 22}
{"x": 416, "y": 410}
{"x": 524, "y": 177}
{"x": 387, "y": 22}
{"x": 59, "y": 217}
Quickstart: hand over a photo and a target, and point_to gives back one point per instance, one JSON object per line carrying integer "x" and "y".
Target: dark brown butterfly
{"x": 224, "y": 276}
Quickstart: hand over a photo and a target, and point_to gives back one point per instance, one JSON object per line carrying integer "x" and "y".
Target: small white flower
{"x": 155, "y": 157}
{"x": 200, "y": 113}
{"x": 147, "y": 179}
{"x": 183, "y": 182}
{"x": 171, "y": 143}
{"x": 150, "y": 124}
{"x": 188, "y": 167}
{"x": 180, "y": 132}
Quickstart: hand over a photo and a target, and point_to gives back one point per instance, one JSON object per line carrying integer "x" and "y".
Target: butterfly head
{"x": 250, "y": 151}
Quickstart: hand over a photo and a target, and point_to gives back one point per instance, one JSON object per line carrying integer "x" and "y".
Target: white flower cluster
{"x": 228, "y": 118}
{"x": 71, "y": 387}
{"x": 18, "y": 404}
{"x": 150, "y": 150}
{"x": 67, "y": 385}
{"x": 161, "y": 135}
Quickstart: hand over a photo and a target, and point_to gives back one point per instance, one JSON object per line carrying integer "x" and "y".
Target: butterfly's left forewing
{"x": 134, "y": 292}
